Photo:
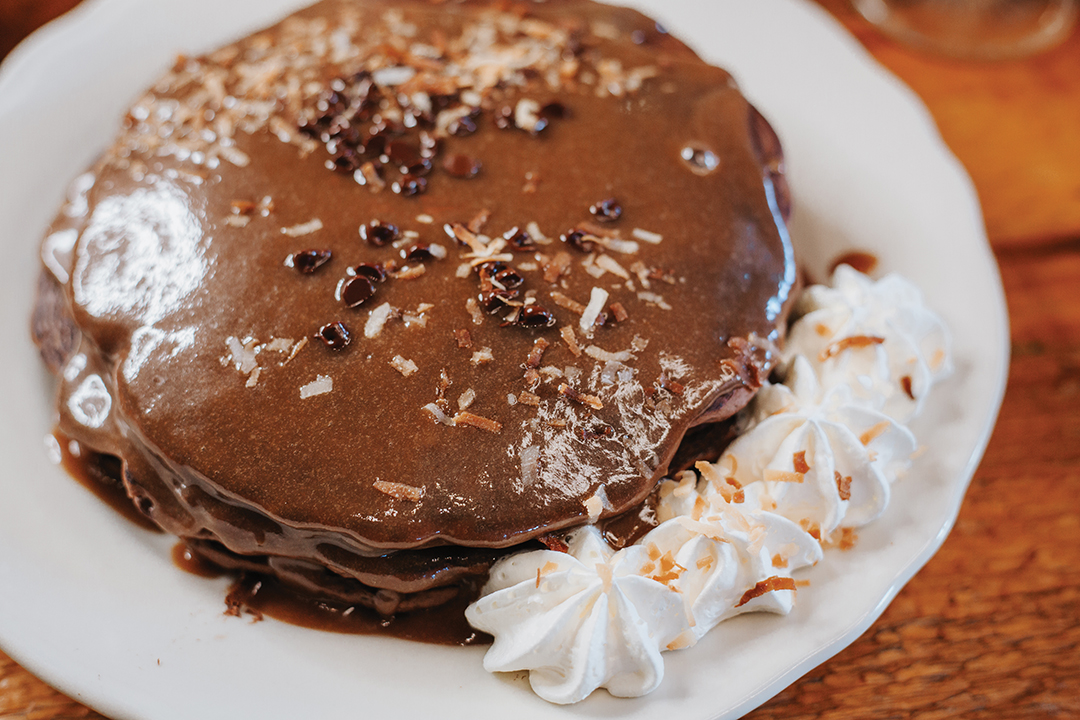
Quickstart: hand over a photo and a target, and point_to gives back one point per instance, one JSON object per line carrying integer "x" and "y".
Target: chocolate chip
{"x": 607, "y": 210}
{"x": 419, "y": 251}
{"x": 346, "y": 161}
{"x": 520, "y": 240}
{"x": 508, "y": 278}
{"x": 379, "y": 234}
{"x": 309, "y": 261}
{"x": 576, "y": 239}
{"x": 461, "y": 166}
{"x": 357, "y": 290}
{"x": 410, "y": 185}
{"x": 373, "y": 271}
{"x": 534, "y": 316}
{"x": 335, "y": 335}
{"x": 493, "y": 301}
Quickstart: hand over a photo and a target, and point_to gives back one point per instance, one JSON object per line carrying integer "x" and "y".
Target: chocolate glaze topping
{"x": 556, "y": 244}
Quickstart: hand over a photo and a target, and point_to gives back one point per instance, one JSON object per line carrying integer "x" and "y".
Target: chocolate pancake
{"x": 394, "y": 276}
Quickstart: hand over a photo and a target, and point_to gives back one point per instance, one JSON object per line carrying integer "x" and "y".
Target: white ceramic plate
{"x": 94, "y": 606}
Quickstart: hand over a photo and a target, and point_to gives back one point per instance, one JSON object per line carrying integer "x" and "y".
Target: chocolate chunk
{"x": 357, "y": 291}
{"x": 335, "y": 335}
{"x": 607, "y": 210}
{"x": 378, "y": 233}
{"x": 308, "y": 261}
{"x": 534, "y": 316}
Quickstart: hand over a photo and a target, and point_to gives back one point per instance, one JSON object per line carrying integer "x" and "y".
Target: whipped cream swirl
{"x": 878, "y": 338}
{"x": 817, "y": 457}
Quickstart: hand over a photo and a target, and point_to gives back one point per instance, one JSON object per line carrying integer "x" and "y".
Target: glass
{"x": 987, "y": 29}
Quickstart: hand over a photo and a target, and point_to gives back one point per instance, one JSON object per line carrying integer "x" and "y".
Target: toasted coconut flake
{"x": 618, "y": 311}
{"x": 463, "y": 338}
{"x": 409, "y": 272}
{"x": 570, "y": 339}
{"x": 479, "y": 220}
{"x": 307, "y": 228}
{"x": 849, "y": 343}
{"x": 377, "y": 320}
{"x": 401, "y": 491}
{"x": 463, "y": 270}
{"x": 537, "y": 353}
{"x": 300, "y": 345}
{"x": 555, "y": 268}
{"x": 425, "y": 219}
{"x": 279, "y": 345}
{"x": 253, "y": 378}
{"x": 799, "y": 462}
{"x": 439, "y": 416}
{"x": 783, "y": 476}
{"x": 528, "y": 398}
{"x": 238, "y": 221}
{"x": 591, "y": 400}
{"x": 646, "y": 236}
{"x": 843, "y": 485}
{"x": 467, "y": 418}
{"x": 770, "y": 584}
{"x": 321, "y": 385}
{"x": 483, "y": 356}
{"x": 465, "y": 236}
{"x": 404, "y": 366}
{"x": 474, "y": 310}
{"x": 592, "y": 311}
{"x": 466, "y": 399}
{"x": 653, "y": 299}
{"x": 607, "y": 262}
{"x": 872, "y": 433}
{"x": 624, "y": 247}
{"x": 567, "y": 302}
{"x": 598, "y": 353}
{"x": 534, "y": 232}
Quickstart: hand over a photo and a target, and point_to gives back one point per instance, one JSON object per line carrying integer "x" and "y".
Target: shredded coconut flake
{"x": 592, "y": 310}
{"x": 482, "y": 356}
{"x": 377, "y": 319}
{"x": 307, "y": 228}
{"x": 646, "y": 236}
{"x": 400, "y": 491}
{"x": 403, "y": 366}
{"x": 321, "y": 385}
{"x": 439, "y": 416}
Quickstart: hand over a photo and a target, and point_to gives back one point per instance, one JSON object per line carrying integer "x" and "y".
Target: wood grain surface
{"x": 991, "y": 627}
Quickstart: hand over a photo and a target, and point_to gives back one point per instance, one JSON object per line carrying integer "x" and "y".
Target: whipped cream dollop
{"x": 817, "y": 456}
{"x": 876, "y": 337}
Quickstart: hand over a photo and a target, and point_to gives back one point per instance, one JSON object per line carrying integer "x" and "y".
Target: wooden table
{"x": 991, "y": 627}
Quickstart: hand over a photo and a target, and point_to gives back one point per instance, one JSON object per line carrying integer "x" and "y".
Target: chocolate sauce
{"x": 864, "y": 262}
{"x": 442, "y": 625}
{"x": 102, "y": 475}
{"x": 190, "y": 561}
